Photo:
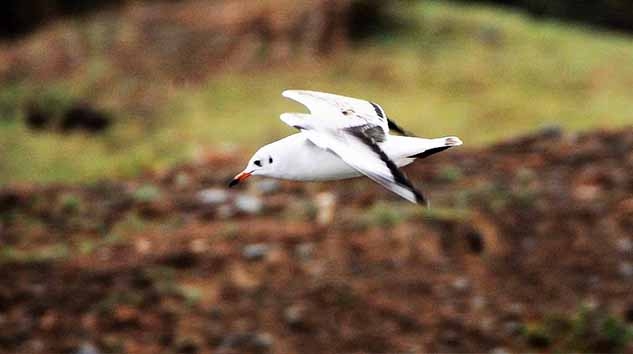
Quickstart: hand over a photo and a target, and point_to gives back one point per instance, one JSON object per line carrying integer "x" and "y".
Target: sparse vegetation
{"x": 586, "y": 330}
{"x": 193, "y": 271}
{"x": 11, "y": 255}
{"x": 147, "y": 193}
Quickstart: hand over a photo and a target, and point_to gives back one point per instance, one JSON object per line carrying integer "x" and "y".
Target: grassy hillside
{"x": 477, "y": 72}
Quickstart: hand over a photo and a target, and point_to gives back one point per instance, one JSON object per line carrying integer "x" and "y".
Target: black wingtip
{"x": 420, "y": 199}
{"x": 396, "y": 128}
{"x": 429, "y": 152}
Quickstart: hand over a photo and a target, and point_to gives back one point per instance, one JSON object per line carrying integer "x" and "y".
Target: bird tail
{"x": 433, "y": 146}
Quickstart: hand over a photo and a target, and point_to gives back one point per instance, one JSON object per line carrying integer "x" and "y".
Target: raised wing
{"x": 340, "y": 112}
{"x": 358, "y": 148}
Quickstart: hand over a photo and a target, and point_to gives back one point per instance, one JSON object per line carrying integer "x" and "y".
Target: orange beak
{"x": 239, "y": 178}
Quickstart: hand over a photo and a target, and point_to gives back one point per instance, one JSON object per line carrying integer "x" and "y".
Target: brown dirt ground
{"x": 528, "y": 247}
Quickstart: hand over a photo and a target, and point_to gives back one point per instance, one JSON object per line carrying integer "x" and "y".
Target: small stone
{"x": 591, "y": 303}
{"x": 461, "y": 284}
{"x": 628, "y": 314}
{"x": 187, "y": 345}
{"x": 243, "y": 279}
{"x": 516, "y": 308}
{"x": 142, "y": 245}
{"x": 326, "y": 204}
{"x": 512, "y": 328}
{"x": 182, "y": 180}
{"x": 248, "y": 204}
{"x": 263, "y": 340}
{"x": 267, "y": 186}
{"x": 255, "y": 251}
{"x": 198, "y": 245}
{"x": 624, "y": 245}
{"x": 87, "y": 348}
{"x": 450, "y": 337}
{"x": 528, "y": 243}
{"x": 213, "y": 196}
{"x": 35, "y": 346}
{"x": 499, "y": 350}
{"x": 587, "y": 192}
{"x": 625, "y": 269}
{"x": 295, "y": 316}
{"x": 304, "y": 250}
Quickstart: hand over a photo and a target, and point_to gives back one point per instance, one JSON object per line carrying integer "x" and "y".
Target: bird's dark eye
{"x": 270, "y": 160}
{"x": 258, "y": 163}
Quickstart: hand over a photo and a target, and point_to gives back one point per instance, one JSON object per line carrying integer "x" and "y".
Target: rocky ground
{"x": 528, "y": 246}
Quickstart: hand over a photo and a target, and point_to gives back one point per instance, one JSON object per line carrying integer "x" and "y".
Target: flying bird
{"x": 343, "y": 137}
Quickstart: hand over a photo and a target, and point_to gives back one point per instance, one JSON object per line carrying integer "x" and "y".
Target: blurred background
{"x": 120, "y": 122}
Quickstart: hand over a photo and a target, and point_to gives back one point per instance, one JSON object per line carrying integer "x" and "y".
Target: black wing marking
{"x": 396, "y": 128}
{"x": 430, "y": 152}
{"x": 390, "y": 123}
{"x": 373, "y": 132}
{"x": 379, "y": 111}
{"x": 398, "y": 176}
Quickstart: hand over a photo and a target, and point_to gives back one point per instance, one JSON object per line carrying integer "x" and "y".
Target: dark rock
{"x": 628, "y": 314}
{"x": 9, "y": 200}
{"x": 84, "y": 117}
{"x": 181, "y": 260}
{"x": 36, "y": 119}
{"x": 475, "y": 242}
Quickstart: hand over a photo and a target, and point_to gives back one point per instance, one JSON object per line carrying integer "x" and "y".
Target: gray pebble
{"x": 255, "y": 251}
{"x": 263, "y": 340}
{"x": 213, "y": 196}
{"x": 461, "y": 284}
{"x": 516, "y": 308}
{"x": 248, "y": 204}
{"x": 87, "y": 348}
{"x": 624, "y": 245}
{"x": 512, "y": 328}
{"x": 294, "y": 315}
{"x": 625, "y": 269}
{"x": 499, "y": 350}
{"x": 304, "y": 250}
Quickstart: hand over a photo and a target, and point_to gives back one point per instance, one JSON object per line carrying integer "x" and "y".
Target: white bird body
{"x": 298, "y": 159}
{"x": 343, "y": 137}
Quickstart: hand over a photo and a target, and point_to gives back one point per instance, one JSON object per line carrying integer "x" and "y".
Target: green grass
{"x": 478, "y": 72}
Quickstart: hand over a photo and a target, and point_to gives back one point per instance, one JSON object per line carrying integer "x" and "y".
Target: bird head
{"x": 262, "y": 164}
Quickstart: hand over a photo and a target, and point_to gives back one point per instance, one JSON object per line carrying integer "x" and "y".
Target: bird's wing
{"x": 340, "y": 112}
{"x": 357, "y": 146}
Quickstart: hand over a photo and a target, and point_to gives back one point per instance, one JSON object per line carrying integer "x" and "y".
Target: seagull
{"x": 343, "y": 137}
